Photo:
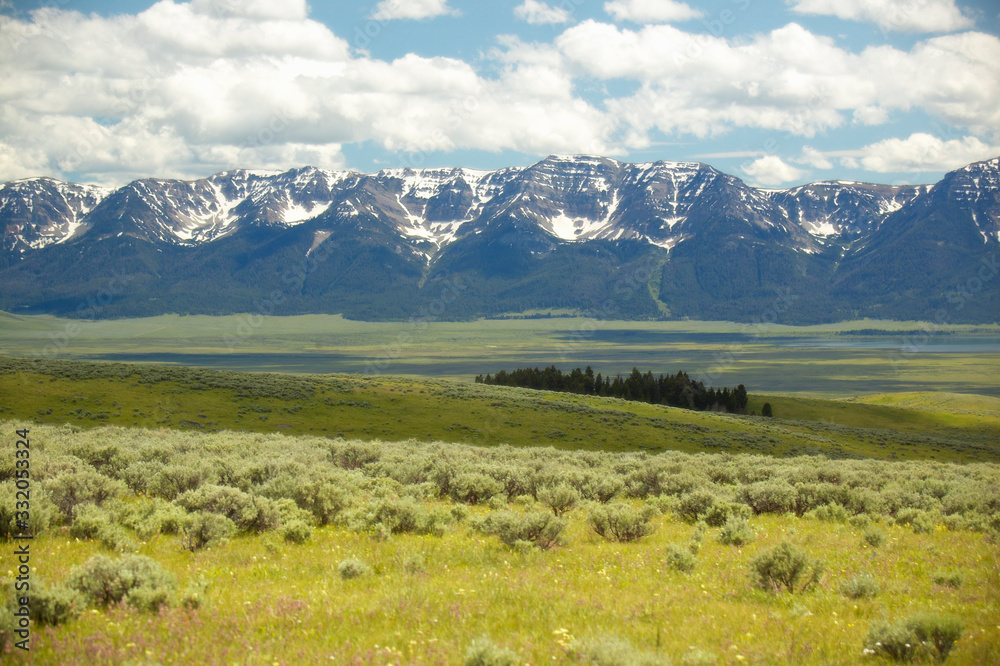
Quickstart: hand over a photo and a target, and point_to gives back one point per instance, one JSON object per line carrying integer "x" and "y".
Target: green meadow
{"x": 347, "y": 551}
{"x": 834, "y": 360}
{"x": 89, "y": 394}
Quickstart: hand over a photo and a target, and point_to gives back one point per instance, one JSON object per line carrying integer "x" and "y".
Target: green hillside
{"x": 394, "y": 409}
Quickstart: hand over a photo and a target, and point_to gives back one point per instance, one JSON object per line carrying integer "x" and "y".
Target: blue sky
{"x": 779, "y": 93}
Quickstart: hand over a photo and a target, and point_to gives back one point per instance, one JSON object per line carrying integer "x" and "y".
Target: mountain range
{"x": 570, "y": 234}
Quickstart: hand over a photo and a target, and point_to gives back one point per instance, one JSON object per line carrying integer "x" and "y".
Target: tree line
{"x": 677, "y": 390}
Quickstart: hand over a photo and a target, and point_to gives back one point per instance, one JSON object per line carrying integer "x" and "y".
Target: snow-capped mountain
{"x": 572, "y": 198}
{"x": 842, "y": 208}
{"x": 40, "y": 211}
{"x": 557, "y": 234}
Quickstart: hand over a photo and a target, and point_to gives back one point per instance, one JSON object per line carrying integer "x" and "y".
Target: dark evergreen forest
{"x": 677, "y": 390}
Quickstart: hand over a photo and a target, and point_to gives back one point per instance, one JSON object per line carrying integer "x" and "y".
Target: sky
{"x": 776, "y": 92}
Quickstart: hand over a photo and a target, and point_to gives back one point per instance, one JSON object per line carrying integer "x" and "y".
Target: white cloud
{"x": 389, "y": 10}
{"x": 771, "y": 170}
{"x": 789, "y": 79}
{"x": 650, "y": 11}
{"x": 922, "y": 152}
{"x": 184, "y": 89}
{"x": 177, "y": 91}
{"x": 892, "y": 15}
{"x": 536, "y": 12}
{"x": 814, "y": 158}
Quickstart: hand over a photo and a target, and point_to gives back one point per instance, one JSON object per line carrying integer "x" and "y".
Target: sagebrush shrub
{"x": 602, "y": 488}
{"x": 918, "y": 637}
{"x": 39, "y": 519}
{"x": 874, "y": 537}
{"x": 720, "y": 513}
{"x": 401, "y": 514}
{"x": 108, "y": 459}
{"x": 862, "y": 586}
{"x": 917, "y": 520}
{"x": 862, "y": 520}
{"x": 786, "y": 566}
{"x": 832, "y": 513}
{"x": 560, "y": 499}
{"x": 475, "y": 488}
{"x": 772, "y": 496}
{"x": 149, "y": 598}
{"x": 88, "y": 519}
{"x": 246, "y": 511}
{"x": 296, "y": 531}
{"x": 538, "y": 528}
{"x": 680, "y": 558}
{"x": 288, "y": 511}
{"x": 621, "y": 522}
{"x": 484, "y": 652}
{"x": 812, "y": 495}
{"x": 138, "y": 475}
{"x": 864, "y": 500}
{"x": 352, "y": 567}
{"x": 84, "y": 487}
{"x": 173, "y": 480}
{"x": 92, "y": 522}
{"x": 355, "y": 455}
{"x": 147, "y": 516}
{"x": 134, "y": 579}
{"x": 55, "y": 605}
{"x": 260, "y": 515}
{"x": 736, "y": 532}
{"x": 693, "y": 506}
{"x": 324, "y": 498}
{"x": 613, "y": 651}
{"x": 201, "y": 530}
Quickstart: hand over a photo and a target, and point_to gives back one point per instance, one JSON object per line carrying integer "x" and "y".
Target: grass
{"x": 768, "y": 359}
{"x": 272, "y": 602}
{"x": 395, "y": 409}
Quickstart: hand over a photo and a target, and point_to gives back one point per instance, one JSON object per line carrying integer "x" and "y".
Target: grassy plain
{"x": 827, "y": 360}
{"x": 273, "y": 602}
{"x": 889, "y": 398}
{"x": 399, "y": 408}
{"x": 276, "y": 603}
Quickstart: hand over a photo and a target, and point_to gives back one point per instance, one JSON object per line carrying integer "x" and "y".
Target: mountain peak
{"x": 559, "y": 233}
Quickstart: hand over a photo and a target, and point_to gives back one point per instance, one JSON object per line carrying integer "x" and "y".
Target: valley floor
{"x": 259, "y": 496}
{"x": 835, "y": 360}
